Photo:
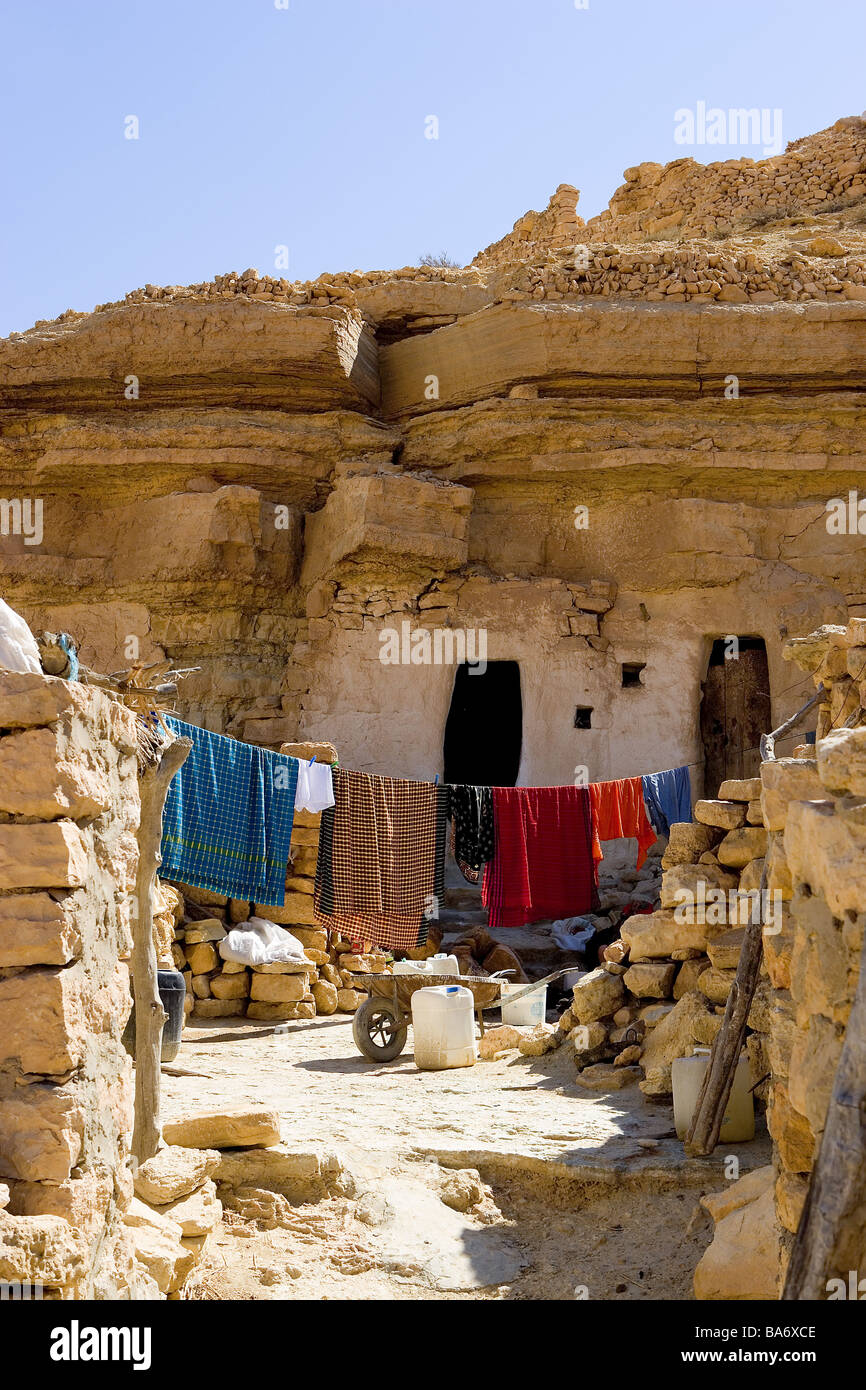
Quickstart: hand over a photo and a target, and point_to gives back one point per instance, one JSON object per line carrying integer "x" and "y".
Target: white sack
{"x": 18, "y": 649}
{"x": 260, "y": 942}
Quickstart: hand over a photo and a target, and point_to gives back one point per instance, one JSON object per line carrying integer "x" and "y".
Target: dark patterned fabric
{"x": 380, "y": 874}
{"x": 472, "y": 831}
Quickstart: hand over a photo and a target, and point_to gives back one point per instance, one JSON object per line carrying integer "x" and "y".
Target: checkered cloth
{"x": 542, "y": 868}
{"x": 228, "y": 816}
{"x": 380, "y": 874}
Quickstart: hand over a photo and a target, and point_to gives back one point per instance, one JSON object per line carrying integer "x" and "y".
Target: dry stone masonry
{"x": 68, "y": 819}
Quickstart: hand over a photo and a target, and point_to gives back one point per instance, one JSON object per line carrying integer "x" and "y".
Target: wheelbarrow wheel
{"x": 379, "y": 1029}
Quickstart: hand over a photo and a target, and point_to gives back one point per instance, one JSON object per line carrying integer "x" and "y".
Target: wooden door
{"x": 735, "y": 711}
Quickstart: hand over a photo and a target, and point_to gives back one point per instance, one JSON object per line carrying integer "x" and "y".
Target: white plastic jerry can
{"x": 687, "y": 1076}
{"x": 443, "y": 1023}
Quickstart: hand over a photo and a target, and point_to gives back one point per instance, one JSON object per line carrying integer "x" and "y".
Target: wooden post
{"x": 149, "y": 1013}
{"x": 703, "y": 1132}
{"x": 831, "y": 1235}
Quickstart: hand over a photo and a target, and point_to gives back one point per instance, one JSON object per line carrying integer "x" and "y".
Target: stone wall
{"x": 69, "y": 808}
{"x": 683, "y": 198}
{"x": 814, "y": 817}
{"x": 816, "y": 813}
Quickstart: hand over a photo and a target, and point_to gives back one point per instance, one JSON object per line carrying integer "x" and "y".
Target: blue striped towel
{"x": 227, "y": 823}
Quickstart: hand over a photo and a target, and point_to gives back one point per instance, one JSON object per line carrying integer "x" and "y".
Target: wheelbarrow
{"x": 380, "y": 1026}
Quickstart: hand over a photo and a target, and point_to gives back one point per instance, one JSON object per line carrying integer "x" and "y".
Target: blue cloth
{"x": 668, "y": 798}
{"x": 228, "y": 817}
{"x": 65, "y": 642}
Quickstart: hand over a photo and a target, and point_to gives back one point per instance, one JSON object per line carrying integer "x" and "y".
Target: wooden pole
{"x": 703, "y": 1132}
{"x": 831, "y": 1236}
{"x": 149, "y": 1013}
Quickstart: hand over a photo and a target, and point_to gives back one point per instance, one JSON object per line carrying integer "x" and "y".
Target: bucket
{"x": 433, "y": 965}
{"x": 443, "y": 1024}
{"x": 172, "y": 992}
{"x": 687, "y": 1075}
{"x": 530, "y": 1010}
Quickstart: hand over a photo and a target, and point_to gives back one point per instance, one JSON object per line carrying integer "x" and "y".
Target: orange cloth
{"x": 619, "y": 813}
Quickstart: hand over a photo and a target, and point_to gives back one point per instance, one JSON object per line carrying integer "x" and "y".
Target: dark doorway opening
{"x": 735, "y": 710}
{"x": 484, "y": 729}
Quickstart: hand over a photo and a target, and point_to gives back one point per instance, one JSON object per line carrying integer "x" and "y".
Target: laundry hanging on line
{"x": 668, "y": 797}
{"x": 380, "y": 873}
{"x": 542, "y": 866}
{"x": 227, "y": 823}
{"x": 315, "y": 789}
{"x": 619, "y": 813}
{"x": 472, "y": 833}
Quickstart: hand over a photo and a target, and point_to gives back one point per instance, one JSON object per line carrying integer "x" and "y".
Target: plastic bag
{"x": 18, "y": 649}
{"x": 260, "y": 942}
{"x": 572, "y": 933}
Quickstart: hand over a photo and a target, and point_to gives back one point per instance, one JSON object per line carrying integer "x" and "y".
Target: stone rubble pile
{"x": 661, "y": 989}
{"x": 819, "y": 173}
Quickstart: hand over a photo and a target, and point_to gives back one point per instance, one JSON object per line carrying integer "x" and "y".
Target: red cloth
{"x": 542, "y": 863}
{"x": 619, "y": 813}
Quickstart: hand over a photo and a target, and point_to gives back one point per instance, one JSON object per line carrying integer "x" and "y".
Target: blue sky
{"x": 305, "y": 126}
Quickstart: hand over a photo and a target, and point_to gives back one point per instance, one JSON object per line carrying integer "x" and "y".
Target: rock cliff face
{"x": 595, "y": 449}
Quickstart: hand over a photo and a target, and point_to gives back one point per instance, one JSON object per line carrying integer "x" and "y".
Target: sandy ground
{"x": 582, "y": 1194}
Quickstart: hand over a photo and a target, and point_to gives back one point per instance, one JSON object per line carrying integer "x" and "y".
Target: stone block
{"x": 724, "y": 949}
{"x": 825, "y": 845}
{"x": 654, "y": 935}
{"x": 842, "y": 761}
{"x": 726, "y": 815}
{"x": 230, "y": 986}
{"x": 745, "y": 789}
{"x": 790, "y": 1131}
{"x": 201, "y": 958}
{"x": 41, "y": 1133}
{"x": 791, "y": 1192}
{"x": 173, "y": 1173}
{"x": 596, "y": 996}
{"x": 274, "y": 1013}
{"x": 740, "y": 846}
{"x": 208, "y": 930}
{"x": 297, "y": 910}
{"x": 49, "y": 1015}
{"x": 688, "y": 841}
{"x": 35, "y": 929}
{"x": 716, "y": 984}
{"x": 325, "y": 995}
{"x": 225, "y": 1129}
{"x": 312, "y": 938}
{"x": 394, "y": 521}
{"x": 54, "y": 772}
{"x": 219, "y": 1008}
{"x": 783, "y": 781}
{"x": 197, "y": 1213}
{"x": 42, "y": 856}
{"x": 688, "y": 975}
{"x": 650, "y": 980}
{"x": 743, "y": 1259}
{"x": 278, "y": 989}
{"x": 43, "y": 1250}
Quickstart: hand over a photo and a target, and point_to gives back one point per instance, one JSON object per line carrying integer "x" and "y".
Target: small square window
{"x": 631, "y": 674}
{"x": 583, "y": 717}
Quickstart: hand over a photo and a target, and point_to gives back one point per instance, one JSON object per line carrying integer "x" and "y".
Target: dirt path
{"x": 578, "y": 1190}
